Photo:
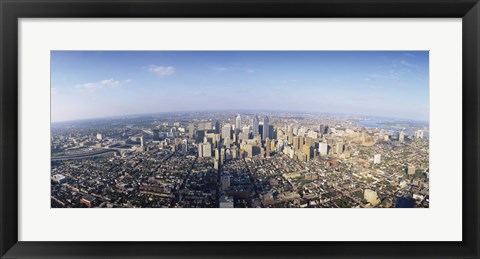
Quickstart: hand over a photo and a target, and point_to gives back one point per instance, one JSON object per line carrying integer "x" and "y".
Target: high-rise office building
{"x": 322, "y": 148}
{"x": 401, "y": 136}
{"x": 363, "y": 135}
{"x": 308, "y": 151}
{"x": 339, "y": 148}
{"x": 322, "y": 129}
{"x": 255, "y": 126}
{"x": 419, "y": 134}
{"x": 266, "y": 128}
{"x": 296, "y": 143}
{"x": 248, "y": 150}
{"x": 290, "y": 135}
{"x": 156, "y": 134}
{"x": 271, "y": 132}
{"x": 217, "y": 127}
{"x": 207, "y": 149}
{"x": 191, "y": 130}
{"x": 309, "y": 141}
{"x": 238, "y": 123}
{"x": 200, "y": 135}
{"x": 268, "y": 147}
{"x": 226, "y": 131}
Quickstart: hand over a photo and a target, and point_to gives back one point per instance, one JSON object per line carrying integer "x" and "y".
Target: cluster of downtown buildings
{"x": 229, "y": 160}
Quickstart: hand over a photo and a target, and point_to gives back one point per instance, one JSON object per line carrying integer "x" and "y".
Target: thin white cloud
{"x": 410, "y": 55}
{"x": 54, "y": 90}
{"x": 389, "y": 75}
{"x": 161, "y": 70}
{"x": 374, "y": 87}
{"x": 106, "y": 83}
{"x": 221, "y": 69}
{"x": 288, "y": 81}
{"x": 405, "y": 63}
{"x": 375, "y": 76}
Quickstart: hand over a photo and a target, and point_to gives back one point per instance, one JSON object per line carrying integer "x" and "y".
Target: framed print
{"x": 255, "y": 129}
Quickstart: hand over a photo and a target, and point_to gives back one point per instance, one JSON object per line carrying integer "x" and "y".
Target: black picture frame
{"x": 12, "y": 10}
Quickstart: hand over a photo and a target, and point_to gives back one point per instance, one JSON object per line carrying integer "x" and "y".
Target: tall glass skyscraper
{"x": 255, "y": 126}
{"x": 238, "y": 123}
{"x": 266, "y": 129}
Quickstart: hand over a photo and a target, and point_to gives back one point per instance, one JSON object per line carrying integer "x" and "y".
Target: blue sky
{"x": 95, "y": 84}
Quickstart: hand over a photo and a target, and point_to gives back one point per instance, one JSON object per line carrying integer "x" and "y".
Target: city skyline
{"x": 230, "y": 160}
{"x": 96, "y": 84}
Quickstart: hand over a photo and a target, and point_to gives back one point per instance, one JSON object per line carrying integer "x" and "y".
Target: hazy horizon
{"x": 100, "y": 84}
{"x": 241, "y": 112}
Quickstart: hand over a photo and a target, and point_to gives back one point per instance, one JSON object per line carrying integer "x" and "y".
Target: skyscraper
{"x": 205, "y": 150}
{"x": 296, "y": 143}
{"x": 266, "y": 128}
{"x": 217, "y": 127}
{"x": 322, "y": 148}
{"x": 191, "y": 130}
{"x": 271, "y": 132}
{"x": 200, "y": 135}
{"x": 290, "y": 135}
{"x": 255, "y": 126}
{"x": 308, "y": 151}
{"x": 419, "y": 134}
{"x": 156, "y": 134}
{"x": 268, "y": 147}
{"x": 401, "y": 136}
{"x": 226, "y": 131}
{"x": 238, "y": 123}
{"x": 322, "y": 129}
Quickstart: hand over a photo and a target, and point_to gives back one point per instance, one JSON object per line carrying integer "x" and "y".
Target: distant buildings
{"x": 294, "y": 162}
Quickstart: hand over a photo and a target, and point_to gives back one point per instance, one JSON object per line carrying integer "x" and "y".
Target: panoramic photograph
{"x": 239, "y": 129}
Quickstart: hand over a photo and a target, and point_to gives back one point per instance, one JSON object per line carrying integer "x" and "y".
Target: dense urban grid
{"x": 240, "y": 160}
